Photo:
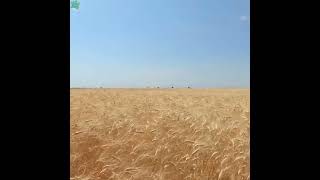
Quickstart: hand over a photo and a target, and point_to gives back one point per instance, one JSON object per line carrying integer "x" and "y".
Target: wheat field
{"x": 161, "y": 134}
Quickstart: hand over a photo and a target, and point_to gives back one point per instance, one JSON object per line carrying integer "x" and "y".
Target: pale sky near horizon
{"x": 140, "y": 43}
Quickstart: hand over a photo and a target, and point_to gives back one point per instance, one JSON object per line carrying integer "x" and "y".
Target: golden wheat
{"x": 158, "y": 134}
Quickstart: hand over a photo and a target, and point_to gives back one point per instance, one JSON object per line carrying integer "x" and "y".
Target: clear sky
{"x": 140, "y": 43}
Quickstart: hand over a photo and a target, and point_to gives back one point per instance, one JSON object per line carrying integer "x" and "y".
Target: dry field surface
{"x": 167, "y": 134}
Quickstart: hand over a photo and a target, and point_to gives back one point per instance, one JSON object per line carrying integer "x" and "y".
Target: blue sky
{"x": 140, "y": 43}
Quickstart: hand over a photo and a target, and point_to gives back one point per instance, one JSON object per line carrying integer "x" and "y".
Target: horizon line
{"x": 160, "y": 87}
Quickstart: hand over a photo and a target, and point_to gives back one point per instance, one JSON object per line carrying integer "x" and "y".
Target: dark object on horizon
{"x": 158, "y": 87}
{"x": 172, "y": 87}
{"x": 189, "y": 87}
